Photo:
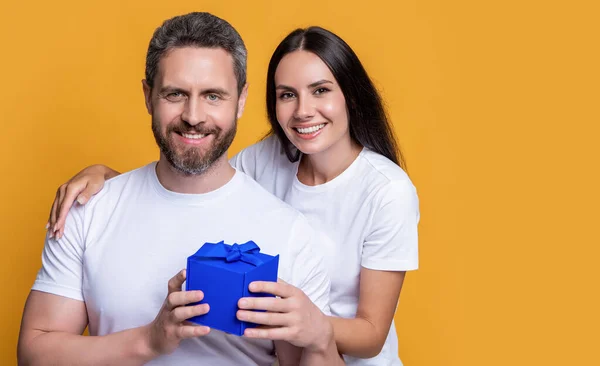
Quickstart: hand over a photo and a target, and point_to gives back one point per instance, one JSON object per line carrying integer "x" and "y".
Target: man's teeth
{"x": 193, "y": 136}
{"x": 311, "y": 129}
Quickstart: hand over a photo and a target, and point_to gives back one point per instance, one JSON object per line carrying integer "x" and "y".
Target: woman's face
{"x": 310, "y": 107}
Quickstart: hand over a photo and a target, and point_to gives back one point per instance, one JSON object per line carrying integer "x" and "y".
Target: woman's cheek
{"x": 282, "y": 115}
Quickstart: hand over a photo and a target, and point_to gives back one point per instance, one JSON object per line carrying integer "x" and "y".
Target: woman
{"x": 332, "y": 155}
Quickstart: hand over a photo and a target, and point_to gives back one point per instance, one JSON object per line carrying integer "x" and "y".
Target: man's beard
{"x": 191, "y": 161}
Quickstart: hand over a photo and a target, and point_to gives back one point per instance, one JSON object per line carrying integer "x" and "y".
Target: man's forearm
{"x": 127, "y": 347}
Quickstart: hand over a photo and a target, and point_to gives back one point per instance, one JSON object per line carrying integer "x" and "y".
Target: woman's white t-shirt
{"x": 370, "y": 212}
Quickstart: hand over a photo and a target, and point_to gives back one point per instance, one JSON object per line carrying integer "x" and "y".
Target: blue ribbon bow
{"x": 237, "y": 252}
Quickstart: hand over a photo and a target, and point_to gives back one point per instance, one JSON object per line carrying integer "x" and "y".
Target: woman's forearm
{"x": 357, "y": 337}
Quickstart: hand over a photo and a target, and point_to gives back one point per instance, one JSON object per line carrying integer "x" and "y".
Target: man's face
{"x": 194, "y": 106}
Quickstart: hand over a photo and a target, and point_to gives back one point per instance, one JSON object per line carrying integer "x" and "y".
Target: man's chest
{"x": 127, "y": 267}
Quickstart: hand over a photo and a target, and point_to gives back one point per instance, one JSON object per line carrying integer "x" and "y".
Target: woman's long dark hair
{"x": 367, "y": 119}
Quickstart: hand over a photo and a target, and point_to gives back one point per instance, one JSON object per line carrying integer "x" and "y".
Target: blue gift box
{"x": 223, "y": 272}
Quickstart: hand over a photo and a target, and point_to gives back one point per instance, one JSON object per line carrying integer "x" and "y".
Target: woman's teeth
{"x": 311, "y": 129}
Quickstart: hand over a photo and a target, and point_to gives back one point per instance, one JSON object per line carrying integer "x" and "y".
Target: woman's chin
{"x": 310, "y": 150}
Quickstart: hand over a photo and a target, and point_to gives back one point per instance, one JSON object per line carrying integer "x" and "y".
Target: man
{"x": 110, "y": 269}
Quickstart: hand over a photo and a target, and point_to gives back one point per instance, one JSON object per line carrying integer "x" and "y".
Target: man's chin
{"x": 190, "y": 168}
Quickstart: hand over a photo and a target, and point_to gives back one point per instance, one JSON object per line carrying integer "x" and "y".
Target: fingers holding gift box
{"x": 223, "y": 273}
{"x": 169, "y": 327}
{"x": 242, "y": 288}
{"x": 290, "y": 316}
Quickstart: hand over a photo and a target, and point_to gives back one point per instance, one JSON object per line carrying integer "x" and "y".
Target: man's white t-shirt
{"x": 370, "y": 212}
{"x": 119, "y": 251}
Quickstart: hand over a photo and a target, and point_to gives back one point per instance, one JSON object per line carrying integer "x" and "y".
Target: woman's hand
{"x": 290, "y": 316}
{"x": 81, "y": 187}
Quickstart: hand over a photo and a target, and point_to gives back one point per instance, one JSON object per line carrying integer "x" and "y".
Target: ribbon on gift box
{"x": 237, "y": 252}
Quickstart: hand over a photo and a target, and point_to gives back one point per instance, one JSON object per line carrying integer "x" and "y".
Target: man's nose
{"x": 193, "y": 112}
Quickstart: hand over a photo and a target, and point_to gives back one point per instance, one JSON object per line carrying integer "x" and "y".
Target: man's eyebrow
{"x": 170, "y": 89}
{"x": 173, "y": 89}
{"x": 219, "y": 91}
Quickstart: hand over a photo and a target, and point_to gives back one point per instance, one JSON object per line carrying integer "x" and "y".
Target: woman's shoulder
{"x": 384, "y": 179}
{"x": 383, "y": 169}
{"x": 264, "y": 157}
{"x": 267, "y": 148}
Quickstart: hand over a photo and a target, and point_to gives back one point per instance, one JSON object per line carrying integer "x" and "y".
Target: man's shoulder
{"x": 95, "y": 215}
{"x": 283, "y": 217}
{"x": 131, "y": 177}
{"x": 116, "y": 186}
{"x": 265, "y": 200}
{"x": 105, "y": 202}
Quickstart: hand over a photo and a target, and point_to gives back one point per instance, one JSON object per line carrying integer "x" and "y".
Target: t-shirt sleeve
{"x": 62, "y": 260}
{"x": 257, "y": 158}
{"x": 246, "y": 160}
{"x": 309, "y": 272}
{"x": 392, "y": 241}
{"x": 242, "y": 162}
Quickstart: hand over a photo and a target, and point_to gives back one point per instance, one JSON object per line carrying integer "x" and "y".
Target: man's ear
{"x": 147, "y": 96}
{"x": 242, "y": 101}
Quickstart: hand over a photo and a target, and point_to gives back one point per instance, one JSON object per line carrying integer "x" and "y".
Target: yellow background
{"x": 495, "y": 103}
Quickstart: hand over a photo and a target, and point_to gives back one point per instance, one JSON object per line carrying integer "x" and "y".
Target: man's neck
{"x": 215, "y": 177}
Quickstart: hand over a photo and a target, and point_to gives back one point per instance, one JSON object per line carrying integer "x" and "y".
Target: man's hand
{"x": 170, "y": 327}
{"x": 290, "y": 317}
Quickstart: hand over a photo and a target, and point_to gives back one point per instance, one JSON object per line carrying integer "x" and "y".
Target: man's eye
{"x": 175, "y": 96}
{"x": 213, "y": 97}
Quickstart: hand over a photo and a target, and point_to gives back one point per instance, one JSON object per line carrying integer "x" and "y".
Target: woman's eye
{"x": 286, "y": 96}
{"x": 321, "y": 91}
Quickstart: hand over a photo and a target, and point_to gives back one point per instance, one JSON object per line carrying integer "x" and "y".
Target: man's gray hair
{"x": 197, "y": 30}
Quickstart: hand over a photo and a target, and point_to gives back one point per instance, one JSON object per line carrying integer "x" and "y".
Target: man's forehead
{"x": 197, "y": 65}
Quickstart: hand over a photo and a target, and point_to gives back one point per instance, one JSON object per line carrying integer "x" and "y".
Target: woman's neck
{"x": 320, "y": 168}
